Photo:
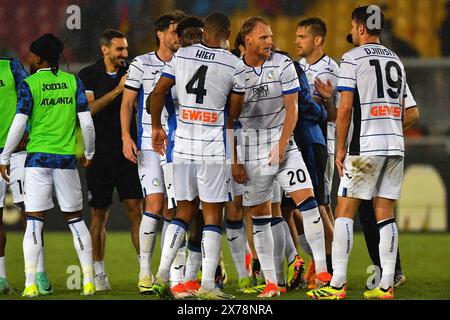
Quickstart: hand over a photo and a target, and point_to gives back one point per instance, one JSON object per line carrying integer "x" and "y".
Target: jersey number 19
{"x": 395, "y": 85}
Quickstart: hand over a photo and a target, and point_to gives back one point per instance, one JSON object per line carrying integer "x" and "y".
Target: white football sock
{"x": 174, "y": 238}
{"x": 290, "y": 250}
{"x": 264, "y": 245}
{"x": 304, "y": 244}
{"x": 211, "y": 248}
{"x": 314, "y": 233}
{"x": 32, "y": 244}
{"x": 178, "y": 266}
{"x": 236, "y": 242}
{"x": 166, "y": 223}
{"x": 279, "y": 242}
{"x": 83, "y": 245}
{"x": 388, "y": 251}
{"x": 2, "y": 267}
{"x": 342, "y": 245}
{"x": 41, "y": 259}
{"x": 147, "y": 238}
{"x": 193, "y": 263}
{"x": 99, "y": 267}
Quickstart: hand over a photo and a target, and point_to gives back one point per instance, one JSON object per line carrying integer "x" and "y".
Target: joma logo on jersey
{"x": 380, "y": 111}
{"x": 2, "y": 84}
{"x": 198, "y": 115}
{"x": 54, "y": 86}
{"x": 262, "y": 91}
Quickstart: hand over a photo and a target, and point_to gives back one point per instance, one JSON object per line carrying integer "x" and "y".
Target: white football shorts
{"x": 366, "y": 177}
{"x": 40, "y": 183}
{"x": 291, "y": 175}
{"x": 150, "y": 172}
{"x": 16, "y": 179}
{"x": 211, "y": 182}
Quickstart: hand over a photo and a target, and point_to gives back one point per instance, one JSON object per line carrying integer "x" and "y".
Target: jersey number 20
{"x": 199, "y": 77}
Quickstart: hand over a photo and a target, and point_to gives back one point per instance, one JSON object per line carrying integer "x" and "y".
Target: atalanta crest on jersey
{"x": 156, "y": 182}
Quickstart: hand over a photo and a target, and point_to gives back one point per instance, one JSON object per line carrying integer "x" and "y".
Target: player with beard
{"x": 104, "y": 83}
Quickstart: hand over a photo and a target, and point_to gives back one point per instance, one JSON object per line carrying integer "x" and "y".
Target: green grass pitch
{"x": 425, "y": 262}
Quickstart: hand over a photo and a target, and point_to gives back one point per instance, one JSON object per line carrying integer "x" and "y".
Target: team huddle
{"x": 248, "y": 134}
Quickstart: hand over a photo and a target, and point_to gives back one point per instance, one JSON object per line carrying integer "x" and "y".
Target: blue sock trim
{"x": 193, "y": 247}
{"x": 35, "y": 218}
{"x": 261, "y": 221}
{"x": 385, "y": 223}
{"x": 276, "y": 220}
{"x": 179, "y": 223}
{"x": 234, "y": 224}
{"x": 214, "y": 228}
{"x": 308, "y": 204}
{"x": 152, "y": 215}
{"x": 75, "y": 221}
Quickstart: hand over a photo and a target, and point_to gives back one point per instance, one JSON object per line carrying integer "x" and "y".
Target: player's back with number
{"x": 204, "y": 79}
{"x": 377, "y": 77}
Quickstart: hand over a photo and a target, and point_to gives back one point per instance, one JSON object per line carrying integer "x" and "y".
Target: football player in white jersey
{"x": 370, "y": 149}
{"x": 320, "y": 68}
{"x": 205, "y": 76}
{"x": 138, "y": 86}
{"x": 268, "y": 120}
{"x": 310, "y": 38}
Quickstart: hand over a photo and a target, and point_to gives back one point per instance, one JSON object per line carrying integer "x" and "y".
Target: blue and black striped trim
{"x": 261, "y": 221}
{"x": 179, "y": 223}
{"x": 36, "y": 218}
{"x": 234, "y": 224}
{"x": 152, "y": 215}
{"x": 193, "y": 247}
{"x": 213, "y": 228}
{"x": 276, "y": 220}
{"x": 385, "y": 223}
{"x": 75, "y": 220}
{"x": 308, "y": 204}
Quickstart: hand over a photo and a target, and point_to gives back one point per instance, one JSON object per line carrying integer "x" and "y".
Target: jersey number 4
{"x": 199, "y": 77}
{"x": 395, "y": 85}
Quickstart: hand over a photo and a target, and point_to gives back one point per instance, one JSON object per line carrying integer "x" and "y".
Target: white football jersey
{"x": 409, "y": 100}
{"x": 377, "y": 77}
{"x": 142, "y": 76}
{"x": 263, "y": 115}
{"x": 204, "y": 78}
{"x": 325, "y": 69}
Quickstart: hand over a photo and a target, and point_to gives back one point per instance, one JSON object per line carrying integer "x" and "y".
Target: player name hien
{"x": 205, "y": 55}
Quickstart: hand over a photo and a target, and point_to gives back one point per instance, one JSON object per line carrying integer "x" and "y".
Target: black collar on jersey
{"x": 323, "y": 56}
{"x": 157, "y": 57}
{"x": 379, "y": 44}
{"x": 243, "y": 60}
